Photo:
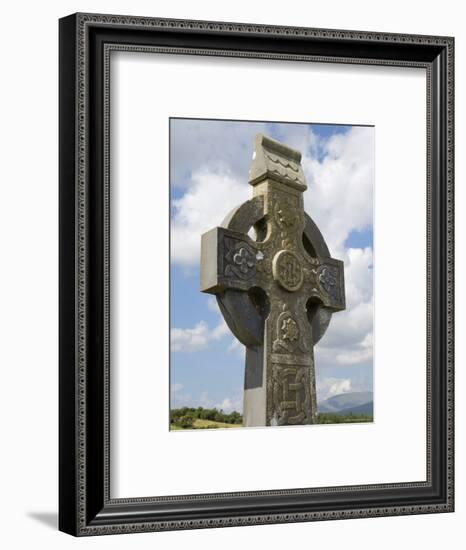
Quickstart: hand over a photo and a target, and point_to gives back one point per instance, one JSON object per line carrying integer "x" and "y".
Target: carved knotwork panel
{"x": 289, "y": 395}
{"x": 240, "y": 259}
{"x": 287, "y": 270}
{"x": 329, "y": 281}
{"x": 288, "y": 333}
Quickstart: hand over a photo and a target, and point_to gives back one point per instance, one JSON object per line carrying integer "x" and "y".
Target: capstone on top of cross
{"x": 274, "y": 161}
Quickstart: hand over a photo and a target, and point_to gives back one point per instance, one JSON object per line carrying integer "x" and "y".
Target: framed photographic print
{"x": 256, "y": 274}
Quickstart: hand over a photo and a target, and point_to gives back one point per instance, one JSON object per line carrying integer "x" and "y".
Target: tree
{"x": 185, "y": 422}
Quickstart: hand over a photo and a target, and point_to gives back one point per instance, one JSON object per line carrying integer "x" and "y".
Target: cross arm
{"x": 228, "y": 261}
{"x": 326, "y": 283}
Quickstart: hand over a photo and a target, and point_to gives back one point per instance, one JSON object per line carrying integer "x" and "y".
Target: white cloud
{"x": 209, "y": 198}
{"x": 358, "y": 275}
{"x": 230, "y": 404}
{"x": 227, "y": 404}
{"x": 348, "y": 340}
{"x": 361, "y": 354}
{"x": 222, "y": 146}
{"x": 327, "y": 387}
{"x": 340, "y": 194}
{"x": 339, "y": 172}
{"x": 196, "y": 338}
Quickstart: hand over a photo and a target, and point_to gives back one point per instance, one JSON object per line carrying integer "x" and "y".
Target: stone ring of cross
{"x": 277, "y": 287}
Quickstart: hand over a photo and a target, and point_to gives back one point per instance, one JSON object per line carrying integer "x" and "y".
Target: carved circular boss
{"x": 287, "y": 270}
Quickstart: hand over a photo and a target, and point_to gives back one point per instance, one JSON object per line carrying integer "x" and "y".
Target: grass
{"x": 331, "y": 418}
{"x": 200, "y": 424}
{"x": 188, "y": 418}
{"x": 323, "y": 418}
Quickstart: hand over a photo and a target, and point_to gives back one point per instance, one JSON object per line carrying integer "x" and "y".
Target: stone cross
{"x": 277, "y": 288}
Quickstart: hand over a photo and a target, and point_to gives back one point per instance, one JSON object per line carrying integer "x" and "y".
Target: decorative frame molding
{"x": 86, "y": 41}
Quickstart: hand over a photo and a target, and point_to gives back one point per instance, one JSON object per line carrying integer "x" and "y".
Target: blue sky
{"x": 209, "y": 163}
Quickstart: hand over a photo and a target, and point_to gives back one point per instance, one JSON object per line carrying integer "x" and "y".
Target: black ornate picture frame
{"x": 86, "y": 41}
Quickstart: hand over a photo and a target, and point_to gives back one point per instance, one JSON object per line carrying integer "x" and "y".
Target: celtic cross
{"x": 277, "y": 290}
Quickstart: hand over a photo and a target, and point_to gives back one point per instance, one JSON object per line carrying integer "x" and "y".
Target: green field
{"x": 188, "y": 418}
{"x": 333, "y": 418}
{"x": 199, "y": 424}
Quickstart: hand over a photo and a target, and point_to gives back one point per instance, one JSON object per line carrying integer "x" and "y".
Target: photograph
{"x": 271, "y": 273}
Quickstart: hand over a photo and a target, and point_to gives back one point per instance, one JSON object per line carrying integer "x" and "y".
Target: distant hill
{"x": 347, "y": 403}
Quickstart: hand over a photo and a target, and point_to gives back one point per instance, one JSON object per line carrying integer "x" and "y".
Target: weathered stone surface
{"x": 278, "y": 292}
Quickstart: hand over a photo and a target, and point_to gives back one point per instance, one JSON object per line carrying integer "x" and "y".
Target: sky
{"x": 209, "y": 164}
